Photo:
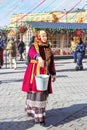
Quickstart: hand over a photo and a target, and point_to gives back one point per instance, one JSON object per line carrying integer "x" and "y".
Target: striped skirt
{"x": 36, "y": 105}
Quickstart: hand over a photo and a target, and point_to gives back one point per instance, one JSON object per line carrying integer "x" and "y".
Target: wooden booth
{"x": 60, "y": 34}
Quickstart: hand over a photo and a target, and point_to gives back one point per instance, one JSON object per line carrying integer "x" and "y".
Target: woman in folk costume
{"x": 41, "y": 62}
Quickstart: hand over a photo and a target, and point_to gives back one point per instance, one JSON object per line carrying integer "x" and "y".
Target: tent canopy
{"x": 60, "y": 25}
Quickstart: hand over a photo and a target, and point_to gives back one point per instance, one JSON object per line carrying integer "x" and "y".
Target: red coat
{"x": 30, "y": 84}
{"x": 1, "y": 57}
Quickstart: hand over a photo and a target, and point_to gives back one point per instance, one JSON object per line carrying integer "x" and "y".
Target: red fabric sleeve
{"x": 32, "y": 52}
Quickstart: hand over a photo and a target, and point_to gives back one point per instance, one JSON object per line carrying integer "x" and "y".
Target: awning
{"x": 51, "y": 25}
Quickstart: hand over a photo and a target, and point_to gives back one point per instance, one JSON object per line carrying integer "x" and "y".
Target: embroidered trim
{"x": 40, "y": 104}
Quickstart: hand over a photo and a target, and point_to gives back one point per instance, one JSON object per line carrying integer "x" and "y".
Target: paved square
{"x": 66, "y": 107}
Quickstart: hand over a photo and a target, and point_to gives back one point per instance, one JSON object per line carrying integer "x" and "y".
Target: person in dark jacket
{"x": 1, "y": 51}
{"x": 80, "y": 50}
{"x": 31, "y": 40}
{"x": 21, "y": 48}
{"x": 30, "y": 43}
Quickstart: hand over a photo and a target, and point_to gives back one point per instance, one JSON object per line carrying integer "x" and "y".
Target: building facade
{"x": 60, "y": 39}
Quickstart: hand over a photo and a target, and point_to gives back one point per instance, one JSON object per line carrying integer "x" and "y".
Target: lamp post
{"x": 66, "y": 31}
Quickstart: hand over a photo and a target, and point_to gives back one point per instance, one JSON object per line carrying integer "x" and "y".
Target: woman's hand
{"x": 40, "y": 61}
{"x": 53, "y": 78}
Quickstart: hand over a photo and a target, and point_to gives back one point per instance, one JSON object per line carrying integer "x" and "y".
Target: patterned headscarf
{"x": 47, "y": 48}
{"x": 38, "y": 36}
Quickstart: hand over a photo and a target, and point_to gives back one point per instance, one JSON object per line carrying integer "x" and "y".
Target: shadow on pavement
{"x": 12, "y": 72}
{"x": 63, "y": 63}
{"x": 20, "y": 68}
{"x": 84, "y": 61}
{"x": 11, "y": 81}
{"x": 61, "y": 76}
{"x": 16, "y": 125}
{"x": 59, "y": 65}
{"x": 60, "y": 116}
{"x": 65, "y": 70}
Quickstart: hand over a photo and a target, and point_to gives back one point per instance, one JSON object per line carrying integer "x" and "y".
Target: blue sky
{"x": 10, "y": 7}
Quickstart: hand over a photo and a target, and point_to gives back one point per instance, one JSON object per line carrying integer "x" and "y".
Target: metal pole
{"x": 66, "y": 15}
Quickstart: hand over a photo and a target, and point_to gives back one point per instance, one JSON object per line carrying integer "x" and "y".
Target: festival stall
{"x": 60, "y": 34}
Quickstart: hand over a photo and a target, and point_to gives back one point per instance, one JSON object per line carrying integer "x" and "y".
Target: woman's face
{"x": 43, "y": 37}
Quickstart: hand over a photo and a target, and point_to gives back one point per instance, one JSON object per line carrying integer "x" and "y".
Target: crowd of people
{"x": 13, "y": 48}
{"x": 17, "y": 48}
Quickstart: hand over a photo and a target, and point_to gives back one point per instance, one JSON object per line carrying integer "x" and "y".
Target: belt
{"x": 37, "y": 69}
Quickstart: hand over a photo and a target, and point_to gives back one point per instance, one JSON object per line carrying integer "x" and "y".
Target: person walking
{"x": 41, "y": 62}
{"x": 1, "y": 51}
{"x": 12, "y": 52}
{"x": 80, "y": 50}
{"x": 21, "y": 48}
{"x": 27, "y": 48}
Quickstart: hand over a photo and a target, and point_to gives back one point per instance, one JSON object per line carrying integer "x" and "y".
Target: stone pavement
{"x": 66, "y": 107}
